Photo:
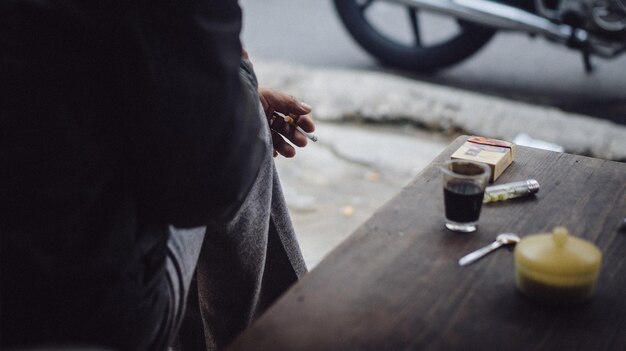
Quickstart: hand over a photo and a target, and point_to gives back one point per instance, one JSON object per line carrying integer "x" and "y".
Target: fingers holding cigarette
{"x": 289, "y": 121}
{"x": 296, "y": 124}
{"x": 285, "y": 128}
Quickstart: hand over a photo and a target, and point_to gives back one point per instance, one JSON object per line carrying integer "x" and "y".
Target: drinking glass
{"x": 464, "y": 185}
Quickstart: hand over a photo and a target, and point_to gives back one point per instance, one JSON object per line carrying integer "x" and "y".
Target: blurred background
{"x": 337, "y": 183}
{"x": 512, "y": 65}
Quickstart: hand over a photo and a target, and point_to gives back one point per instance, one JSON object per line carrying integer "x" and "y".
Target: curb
{"x": 362, "y": 96}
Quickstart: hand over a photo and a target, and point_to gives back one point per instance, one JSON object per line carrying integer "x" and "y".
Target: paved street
{"x": 333, "y": 186}
{"x": 512, "y": 65}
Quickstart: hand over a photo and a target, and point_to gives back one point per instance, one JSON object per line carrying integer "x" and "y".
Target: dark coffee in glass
{"x": 464, "y": 185}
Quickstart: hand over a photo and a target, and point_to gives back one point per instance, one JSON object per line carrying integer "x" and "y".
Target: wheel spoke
{"x": 415, "y": 27}
{"x": 364, "y": 4}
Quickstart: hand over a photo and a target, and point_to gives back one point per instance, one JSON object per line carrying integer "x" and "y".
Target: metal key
{"x": 502, "y": 239}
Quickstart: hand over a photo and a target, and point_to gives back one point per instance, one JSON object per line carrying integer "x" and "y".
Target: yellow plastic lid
{"x": 558, "y": 254}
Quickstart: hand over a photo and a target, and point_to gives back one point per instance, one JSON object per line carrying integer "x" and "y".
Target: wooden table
{"x": 395, "y": 283}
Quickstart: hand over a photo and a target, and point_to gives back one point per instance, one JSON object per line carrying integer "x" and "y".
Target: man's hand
{"x": 274, "y": 100}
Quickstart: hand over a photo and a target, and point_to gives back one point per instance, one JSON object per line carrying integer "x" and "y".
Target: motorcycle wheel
{"x": 406, "y": 55}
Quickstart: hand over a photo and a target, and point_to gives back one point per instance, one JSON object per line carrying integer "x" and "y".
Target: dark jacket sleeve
{"x": 195, "y": 129}
{"x": 118, "y": 95}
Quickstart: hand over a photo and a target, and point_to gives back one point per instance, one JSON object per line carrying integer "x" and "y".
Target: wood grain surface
{"x": 395, "y": 284}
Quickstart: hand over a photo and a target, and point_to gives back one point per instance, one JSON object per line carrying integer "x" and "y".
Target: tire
{"x": 467, "y": 41}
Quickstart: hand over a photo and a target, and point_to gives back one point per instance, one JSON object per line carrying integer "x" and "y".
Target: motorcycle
{"x": 594, "y": 27}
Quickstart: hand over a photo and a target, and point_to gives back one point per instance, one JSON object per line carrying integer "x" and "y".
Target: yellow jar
{"x": 556, "y": 267}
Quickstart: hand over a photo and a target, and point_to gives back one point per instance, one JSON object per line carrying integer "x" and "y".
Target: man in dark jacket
{"x": 120, "y": 124}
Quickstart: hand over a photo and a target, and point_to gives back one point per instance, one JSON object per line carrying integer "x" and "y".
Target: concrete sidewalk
{"x": 377, "y": 131}
{"x": 334, "y": 185}
{"x": 357, "y": 96}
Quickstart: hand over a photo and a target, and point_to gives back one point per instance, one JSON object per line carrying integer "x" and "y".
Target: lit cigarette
{"x": 290, "y": 120}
